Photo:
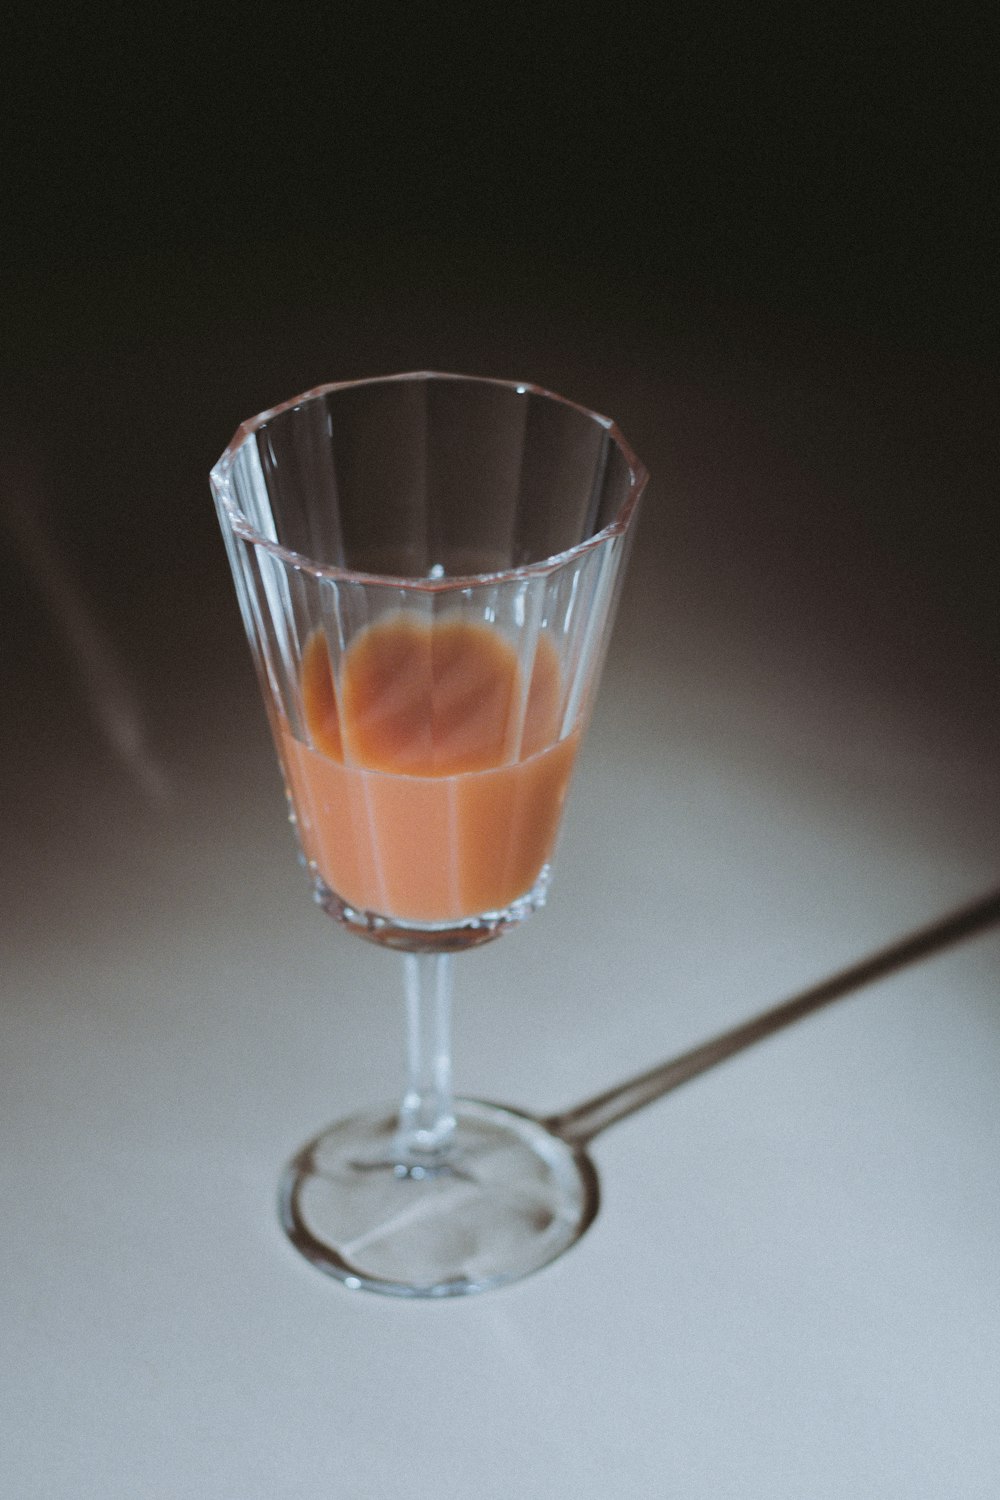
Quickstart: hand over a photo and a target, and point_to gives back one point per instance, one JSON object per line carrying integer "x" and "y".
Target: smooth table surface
{"x": 792, "y": 1288}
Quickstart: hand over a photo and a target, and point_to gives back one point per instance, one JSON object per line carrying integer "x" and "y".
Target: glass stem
{"x": 427, "y": 1116}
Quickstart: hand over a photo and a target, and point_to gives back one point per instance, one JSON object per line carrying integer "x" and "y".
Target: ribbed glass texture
{"x": 427, "y": 567}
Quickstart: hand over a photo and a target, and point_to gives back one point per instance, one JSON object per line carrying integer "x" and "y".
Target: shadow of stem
{"x": 579, "y": 1125}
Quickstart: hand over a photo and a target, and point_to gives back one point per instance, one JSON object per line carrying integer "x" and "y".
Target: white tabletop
{"x": 791, "y": 1289}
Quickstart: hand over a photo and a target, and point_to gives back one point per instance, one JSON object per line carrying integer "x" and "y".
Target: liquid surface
{"x": 433, "y": 784}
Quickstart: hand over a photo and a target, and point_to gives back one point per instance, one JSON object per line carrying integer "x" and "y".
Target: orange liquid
{"x": 432, "y": 794}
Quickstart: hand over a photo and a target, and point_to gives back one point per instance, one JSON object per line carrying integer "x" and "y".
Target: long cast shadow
{"x": 579, "y": 1125}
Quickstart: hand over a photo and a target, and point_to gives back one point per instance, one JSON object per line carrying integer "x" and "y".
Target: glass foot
{"x": 506, "y": 1199}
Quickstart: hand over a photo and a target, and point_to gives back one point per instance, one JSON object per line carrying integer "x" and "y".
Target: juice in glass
{"x": 433, "y": 782}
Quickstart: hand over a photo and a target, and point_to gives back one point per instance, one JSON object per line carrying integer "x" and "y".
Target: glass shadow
{"x": 579, "y": 1125}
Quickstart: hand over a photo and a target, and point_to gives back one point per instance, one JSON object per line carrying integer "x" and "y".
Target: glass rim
{"x": 221, "y": 481}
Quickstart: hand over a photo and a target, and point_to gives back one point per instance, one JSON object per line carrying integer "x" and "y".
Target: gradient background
{"x": 767, "y": 247}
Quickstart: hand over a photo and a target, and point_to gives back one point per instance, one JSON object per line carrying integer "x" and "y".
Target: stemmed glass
{"x": 427, "y": 567}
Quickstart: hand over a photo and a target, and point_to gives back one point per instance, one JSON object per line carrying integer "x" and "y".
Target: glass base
{"x": 506, "y": 1199}
{"x": 430, "y": 937}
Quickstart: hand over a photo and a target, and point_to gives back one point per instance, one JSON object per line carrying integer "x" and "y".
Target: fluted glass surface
{"x": 427, "y": 567}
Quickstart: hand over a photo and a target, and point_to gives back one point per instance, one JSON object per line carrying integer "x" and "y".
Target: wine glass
{"x": 427, "y": 567}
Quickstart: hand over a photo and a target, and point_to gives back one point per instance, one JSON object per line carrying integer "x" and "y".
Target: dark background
{"x": 201, "y": 169}
{"x": 766, "y": 244}
{"x": 191, "y": 161}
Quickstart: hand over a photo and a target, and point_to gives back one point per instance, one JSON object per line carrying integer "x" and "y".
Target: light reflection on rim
{"x": 221, "y": 484}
